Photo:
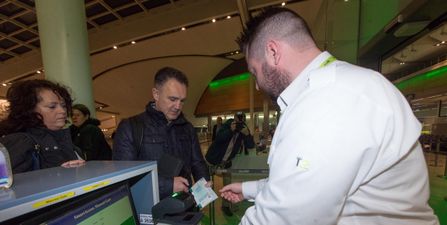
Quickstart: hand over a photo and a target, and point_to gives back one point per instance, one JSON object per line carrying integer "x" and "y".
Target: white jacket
{"x": 345, "y": 151}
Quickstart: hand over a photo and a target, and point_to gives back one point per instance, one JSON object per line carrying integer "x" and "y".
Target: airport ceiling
{"x": 19, "y": 31}
{"x": 196, "y": 36}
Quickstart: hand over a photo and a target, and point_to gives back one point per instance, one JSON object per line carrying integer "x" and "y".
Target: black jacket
{"x": 215, "y": 130}
{"x": 90, "y": 139}
{"x": 176, "y": 138}
{"x": 219, "y": 146}
{"x": 55, "y": 148}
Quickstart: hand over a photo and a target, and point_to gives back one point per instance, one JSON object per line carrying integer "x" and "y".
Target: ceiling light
{"x": 402, "y": 63}
{"x": 283, "y": 4}
{"x": 38, "y": 72}
{"x": 133, "y": 42}
{"x": 213, "y": 20}
{"x": 115, "y": 47}
{"x": 4, "y": 85}
{"x": 228, "y": 17}
{"x": 346, "y": 0}
{"x": 440, "y": 43}
{"x": 183, "y": 28}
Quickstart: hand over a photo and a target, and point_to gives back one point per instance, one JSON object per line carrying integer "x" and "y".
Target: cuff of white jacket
{"x": 250, "y": 189}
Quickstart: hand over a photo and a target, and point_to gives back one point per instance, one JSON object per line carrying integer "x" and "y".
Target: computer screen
{"x": 106, "y": 207}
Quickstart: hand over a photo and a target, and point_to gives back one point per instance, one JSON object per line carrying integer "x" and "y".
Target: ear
{"x": 155, "y": 94}
{"x": 273, "y": 52}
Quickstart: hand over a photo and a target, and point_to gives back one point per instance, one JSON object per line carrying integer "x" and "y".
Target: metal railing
{"x": 437, "y": 160}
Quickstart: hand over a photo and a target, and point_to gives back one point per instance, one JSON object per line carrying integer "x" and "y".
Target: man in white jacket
{"x": 346, "y": 147}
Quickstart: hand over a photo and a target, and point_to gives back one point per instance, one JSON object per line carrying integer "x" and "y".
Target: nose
{"x": 178, "y": 105}
{"x": 61, "y": 109}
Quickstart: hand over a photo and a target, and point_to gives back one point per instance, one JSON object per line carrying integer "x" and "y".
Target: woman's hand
{"x": 73, "y": 163}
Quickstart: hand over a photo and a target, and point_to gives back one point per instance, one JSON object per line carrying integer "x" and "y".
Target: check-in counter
{"x": 39, "y": 190}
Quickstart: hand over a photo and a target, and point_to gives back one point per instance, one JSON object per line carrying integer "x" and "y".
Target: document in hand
{"x": 203, "y": 195}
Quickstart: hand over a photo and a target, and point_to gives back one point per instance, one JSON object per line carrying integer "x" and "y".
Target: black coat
{"x": 90, "y": 139}
{"x": 219, "y": 146}
{"x": 55, "y": 148}
{"x": 176, "y": 138}
{"x": 215, "y": 130}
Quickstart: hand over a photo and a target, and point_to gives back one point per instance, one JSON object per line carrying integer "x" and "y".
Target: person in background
{"x": 216, "y": 127}
{"x": 37, "y": 115}
{"x": 233, "y": 137}
{"x": 261, "y": 146}
{"x": 86, "y": 134}
{"x": 162, "y": 132}
{"x": 319, "y": 174}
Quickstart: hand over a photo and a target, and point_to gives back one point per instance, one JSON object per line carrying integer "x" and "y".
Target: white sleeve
{"x": 251, "y": 188}
{"x": 324, "y": 149}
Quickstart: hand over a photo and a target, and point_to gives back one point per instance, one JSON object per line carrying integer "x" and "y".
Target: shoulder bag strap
{"x": 137, "y": 126}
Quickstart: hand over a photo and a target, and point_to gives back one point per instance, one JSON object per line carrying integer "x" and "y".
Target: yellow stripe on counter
{"x": 97, "y": 185}
{"x": 54, "y": 199}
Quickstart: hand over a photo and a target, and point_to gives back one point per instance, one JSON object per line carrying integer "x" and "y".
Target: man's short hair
{"x": 166, "y": 73}
{"x": 279, "y": 23}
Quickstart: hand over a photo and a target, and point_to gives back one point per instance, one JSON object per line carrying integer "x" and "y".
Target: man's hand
{"x": 180, "y": 184}
{"x": 232, "y": 192}
{"x": 209, "y": 184}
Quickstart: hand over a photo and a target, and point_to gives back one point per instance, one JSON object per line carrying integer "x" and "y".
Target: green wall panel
{"x": 426, "y": 84}
{"x": 375, "y": 14}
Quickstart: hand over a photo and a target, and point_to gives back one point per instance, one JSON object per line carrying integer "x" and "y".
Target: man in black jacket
{"x": 165, "y": 134}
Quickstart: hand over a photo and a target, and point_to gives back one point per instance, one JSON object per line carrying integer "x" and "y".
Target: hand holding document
{"x": 203, "y": 195}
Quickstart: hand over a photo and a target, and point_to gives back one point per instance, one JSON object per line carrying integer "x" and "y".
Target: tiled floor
{"x": 238, "y": 209}
{"x": 438, "y": 186}
{"x": 219, "y": 217}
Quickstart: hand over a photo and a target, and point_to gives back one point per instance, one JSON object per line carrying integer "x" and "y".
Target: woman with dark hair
{"x": 86, "y": 134}
{"x": 34, "y": 131}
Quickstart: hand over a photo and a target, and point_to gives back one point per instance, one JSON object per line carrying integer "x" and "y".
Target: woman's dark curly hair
{"x": 23, "y": 97}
